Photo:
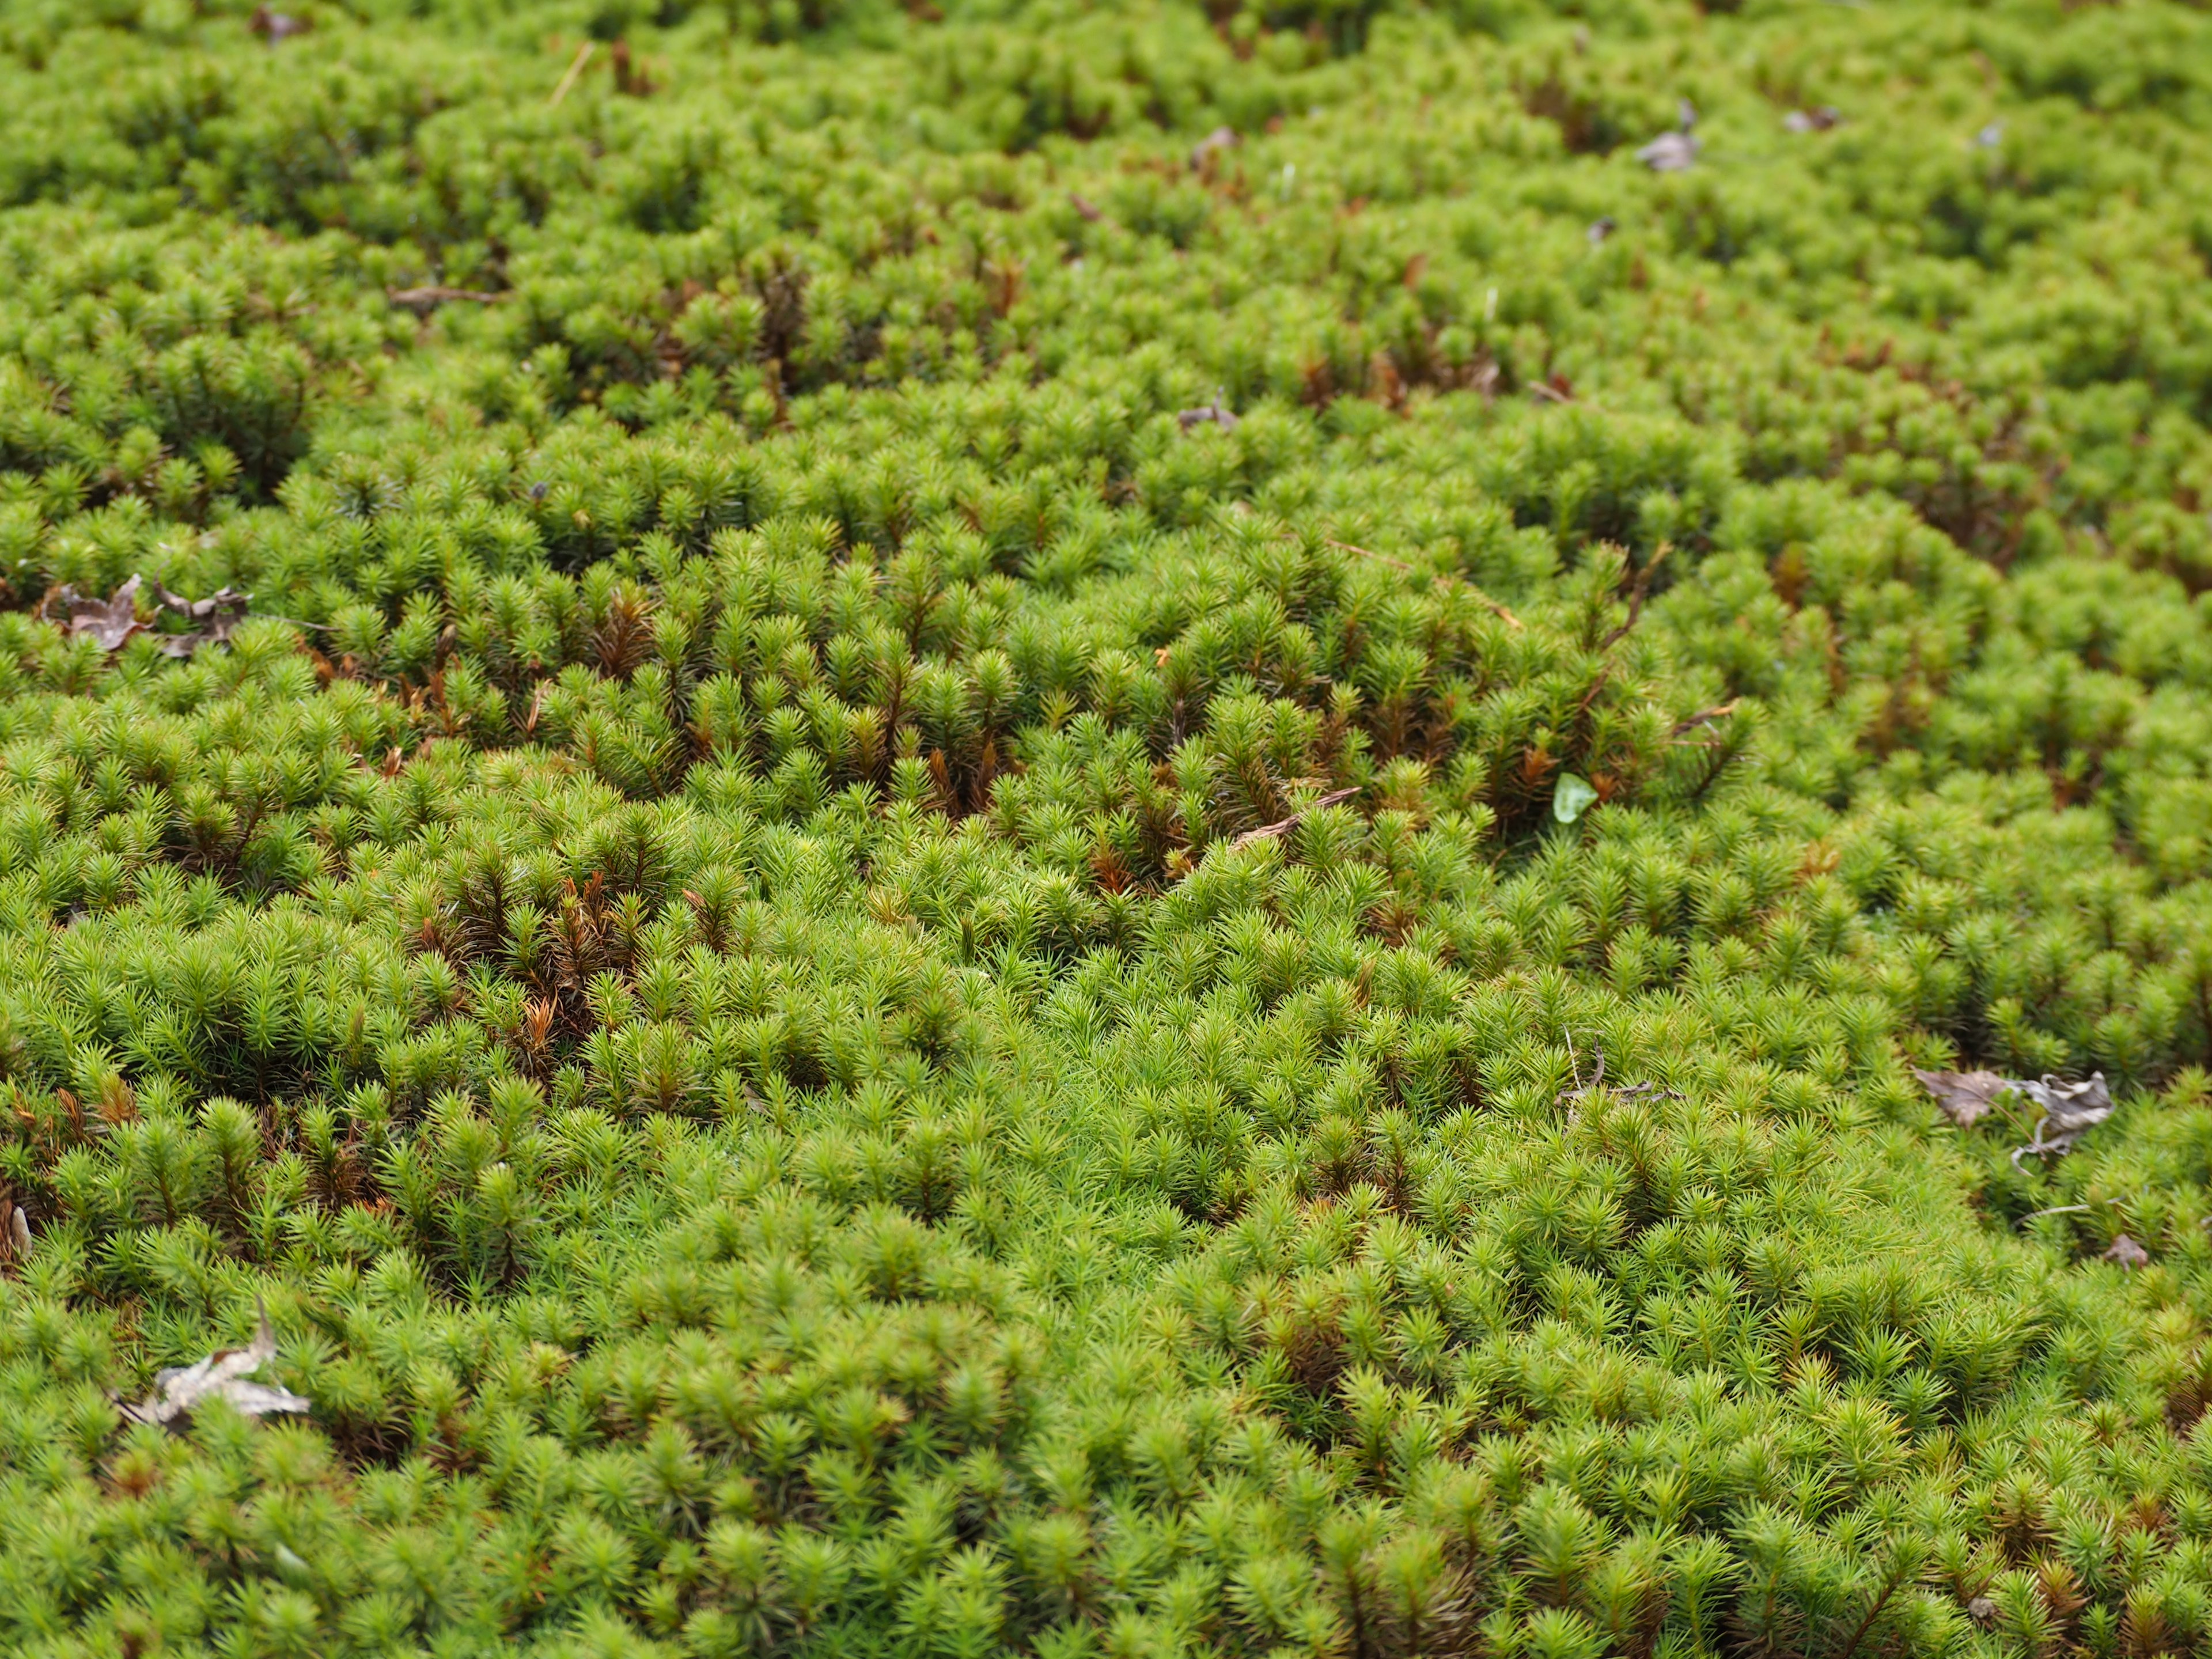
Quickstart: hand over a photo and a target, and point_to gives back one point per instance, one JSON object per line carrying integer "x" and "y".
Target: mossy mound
{"x": 1105, "y": 831}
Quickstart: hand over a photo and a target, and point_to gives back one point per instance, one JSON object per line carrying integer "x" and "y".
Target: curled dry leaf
{"x": 2070, "y": 1110}
{"x": 214, "y": 617}
{"x": 1671, "y": 152}
{"x": 111, "y": 621}
{"x": 1965, "y": 1097}
{"x": 1213, "y": 414}
{"x": 275, "y": 26}
{"x": 2126, "y": 1253}
{"x": 1219, "y": 139}
{"x": 1674, "y": 152}
{"x": 227, "y": 1374}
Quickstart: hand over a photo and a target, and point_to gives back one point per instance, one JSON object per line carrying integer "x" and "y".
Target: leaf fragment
{"x": 1571, "y": 797}
{"x": 2070, "y": 1110}
{"x": 1219, "y": 139}
{"x": 276, "y": 27}
{"x": 1671, "y": 152}
{"x": 1677, "y": 151}
{"x": 2126, "y": 1253}
{"x": 111, "y": 621}
{"x": 227, "y": 1374}
{"x": 1965, "y": 1097}
{"x": 216, "y": 616}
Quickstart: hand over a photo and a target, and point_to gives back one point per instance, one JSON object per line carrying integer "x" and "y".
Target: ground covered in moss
{"x": 1104, "y": 831}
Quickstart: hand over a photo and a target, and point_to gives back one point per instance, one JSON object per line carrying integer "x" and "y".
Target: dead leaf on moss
{"x": 111, "y": 621}
{"x": 1674, "y": 152}
{"x": 1219, "y": 139}
{"x": 226, "y": 1374}
{"x": 1671, "y": 152}
{"x": 215, "y": 616}
{"x": 2127, "y": 1253}
{"x": 275, "y": 27}
{"x": 2070, "y": 1110}
{"x": 1965, "y": 1097}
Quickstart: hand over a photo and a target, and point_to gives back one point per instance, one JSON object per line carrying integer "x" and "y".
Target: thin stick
{"x": 434, "y": 293}
{"x": 1281, "y": 824}
{"x": 2074, "y": 1209}
{"x": 575, "y": 68}
{"x": 1704, "y": 717}
{"x": 1639, "y": 591}
{"x": 1481, "y": 598}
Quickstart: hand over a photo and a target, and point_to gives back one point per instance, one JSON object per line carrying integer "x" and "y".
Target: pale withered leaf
{"x": 227, "y": 1373}
{"x": 2127, "y": 1253}
{"x": 2070, "y": 1110}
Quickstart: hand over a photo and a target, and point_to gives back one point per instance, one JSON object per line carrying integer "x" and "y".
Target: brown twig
{"x": 1704, "y": 717}
{"x": 1637, "y": 592}
{"x": 1280, "y": 825}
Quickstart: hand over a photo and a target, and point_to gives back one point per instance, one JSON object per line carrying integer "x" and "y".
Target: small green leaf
{"x": 1571, "y": 798}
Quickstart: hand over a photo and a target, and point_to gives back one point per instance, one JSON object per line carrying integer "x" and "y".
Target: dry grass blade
{"x": 575, "y": 68}
{"x": 428, "y": 297}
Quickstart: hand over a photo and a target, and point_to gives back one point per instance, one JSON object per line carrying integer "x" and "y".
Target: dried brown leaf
{"x": 1965, "y": 1097}
{"x": 111, "y": 621}
{"x": 2127, "y": 1253}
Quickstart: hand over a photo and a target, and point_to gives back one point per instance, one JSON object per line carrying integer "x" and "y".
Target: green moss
{"x": 872, "y": 948}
